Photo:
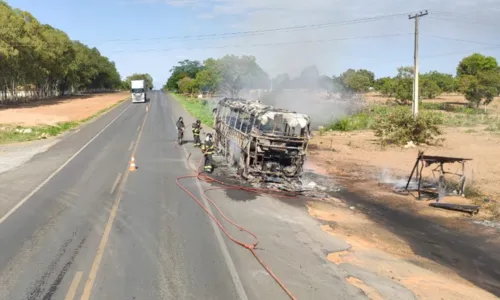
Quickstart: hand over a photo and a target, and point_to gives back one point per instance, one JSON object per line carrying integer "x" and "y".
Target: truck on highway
{"x": 138, "y": 91}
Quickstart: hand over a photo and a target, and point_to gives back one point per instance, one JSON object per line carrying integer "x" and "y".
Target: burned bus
{"x": 265, "y": 143}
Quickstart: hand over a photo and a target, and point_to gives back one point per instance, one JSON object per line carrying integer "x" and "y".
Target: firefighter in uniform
{"x": 208, "y": 150}
{"x": 196, "y": 133}
{"x": 180, "y": 129}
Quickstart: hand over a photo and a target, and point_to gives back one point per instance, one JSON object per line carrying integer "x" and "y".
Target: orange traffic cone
{"x": 132, "y": 166}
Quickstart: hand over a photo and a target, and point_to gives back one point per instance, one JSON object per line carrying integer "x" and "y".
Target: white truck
{"x": 138, "y": 91}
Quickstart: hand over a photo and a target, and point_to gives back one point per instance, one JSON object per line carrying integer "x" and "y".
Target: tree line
{"x": 138, "y": 76}
{"x": 477, "y": 78}
{"x": 38, "y": 61}
{"x": 229, "y": 74}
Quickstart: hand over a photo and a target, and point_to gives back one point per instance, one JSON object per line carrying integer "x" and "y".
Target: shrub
{"x": 400, "y": 127}
{"x": 359, "y": 121}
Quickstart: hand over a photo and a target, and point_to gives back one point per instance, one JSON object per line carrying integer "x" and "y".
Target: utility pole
{"x": 415, "y": 62}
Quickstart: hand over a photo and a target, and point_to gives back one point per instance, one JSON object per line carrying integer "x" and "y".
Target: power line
{"x": 269, "y": 44}
{"x": 464, "y": 41}
{"x": 278, "y": 29}
{"x": 224, "y": 35}
{"x": 461, "y": 52}
{"x": 461, "y": 20}
{"x": 461, "y": 16}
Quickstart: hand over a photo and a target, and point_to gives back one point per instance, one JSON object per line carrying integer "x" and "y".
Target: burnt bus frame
{"x": 250, "y": 139}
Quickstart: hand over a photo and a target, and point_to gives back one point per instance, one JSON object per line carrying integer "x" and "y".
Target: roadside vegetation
{"x": 477, "y": 79}
{"x": 200, "y": 109}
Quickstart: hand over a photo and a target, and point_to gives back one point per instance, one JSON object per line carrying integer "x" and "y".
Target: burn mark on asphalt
{"x": 40, "y": 285}
{"x": 55, "y": 285}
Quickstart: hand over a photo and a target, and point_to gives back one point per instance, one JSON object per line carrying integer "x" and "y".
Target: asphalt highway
{"x": 96, "y": 230}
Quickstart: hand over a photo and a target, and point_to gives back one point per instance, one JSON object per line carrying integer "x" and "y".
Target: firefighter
{"x": 180, "y": 129}
{"x": 196, "y": 133}
{"x": 208, "y": 150}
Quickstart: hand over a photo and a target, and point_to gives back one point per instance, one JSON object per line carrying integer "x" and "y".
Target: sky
{"x": 151, "y": 36}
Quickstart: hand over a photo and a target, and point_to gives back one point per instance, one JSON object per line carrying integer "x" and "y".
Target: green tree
{"x": 428, "y": 87}
{"x": 387, "y": 86}
{"x": 41, "y": 61}
{"x": 187, "y": 85}
{"x": 136, "y": 76}
{"x": 208, "y": 78}
{"x": 479, "y": 79}
{"x": 403, "y": 85}
{"x": 185, "y": 68}
{"x": 481, "y": 88}
{"x": 475, "y": 63}
{"x": 445, "y": 82}
{"x": 358, "y": 80}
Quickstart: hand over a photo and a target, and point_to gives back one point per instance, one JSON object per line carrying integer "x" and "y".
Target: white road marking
{"x": 115, "y": 184}
{"x": 225, "y": 252}
{"x": 20, "y": 203}
{"x": 131, "y": 145}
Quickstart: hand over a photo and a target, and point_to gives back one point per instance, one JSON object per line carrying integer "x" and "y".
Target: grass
{"x": 460, "y": 117}
{"x": 360, "y": 121}
{"x": 13, "y": 134}
{"x": 199, "y": 109}
{"x": 471, "y": 120}
{"x": 443, "y": 106}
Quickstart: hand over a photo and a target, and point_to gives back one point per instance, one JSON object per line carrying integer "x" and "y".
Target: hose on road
{"x": 225, "y": 186}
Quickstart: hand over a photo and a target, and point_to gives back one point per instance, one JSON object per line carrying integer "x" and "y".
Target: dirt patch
{"x": 355, "y": 156}
{"x": 370, "y": 292}
{"x": 53, "y": 112}
{"x": 380, "y": 251}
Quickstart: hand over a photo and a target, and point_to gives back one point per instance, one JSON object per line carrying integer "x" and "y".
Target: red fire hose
{"x": 222, "y": 185}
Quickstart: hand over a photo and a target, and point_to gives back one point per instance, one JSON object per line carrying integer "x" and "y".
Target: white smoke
{"x": 387, "y": 177}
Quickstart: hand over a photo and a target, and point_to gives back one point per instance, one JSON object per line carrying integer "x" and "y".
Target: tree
{"x": 282, "y": 81}
{"x": 445, "y": 82}
{"x": 42, "y": 61}
{"x": 186, "y": 68}
{"x": 209, "y": 78}
{"x": 136, "y": 76}
{"x": 479, "y": 79}
{"x": 403, "y": 85}
{"x": 481, "y": 88}
{"x": 187, "y": 85}
{"x": 475, "y": 63}
{"x": 386, "y": 86}
{"x": 309, "y": 77}
{"x": 358, "y": 80}
{"x": 325, "y": 83}
{"x": 237, "y": 73}
{"x": 428, "y": 87}
{"x": 338, "y": 84}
